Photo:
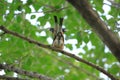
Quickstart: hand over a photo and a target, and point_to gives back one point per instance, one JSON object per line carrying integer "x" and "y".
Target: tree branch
{"x": 93, "y": 19}
{"x": 58, "y": 50}
{"x": 23, "y": 72}
{"x": 10, "y": 78}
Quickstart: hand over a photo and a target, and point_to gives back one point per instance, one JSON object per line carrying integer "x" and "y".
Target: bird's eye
{"x": 51, "y": 29}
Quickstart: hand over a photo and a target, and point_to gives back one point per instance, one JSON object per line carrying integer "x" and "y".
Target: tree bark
{"x": 93, "y": 19}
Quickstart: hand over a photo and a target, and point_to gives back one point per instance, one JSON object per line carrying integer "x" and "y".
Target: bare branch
{"x": 58, "y": 50}
{"x": 23, "y": 72}
{"x": 10, "y": 78}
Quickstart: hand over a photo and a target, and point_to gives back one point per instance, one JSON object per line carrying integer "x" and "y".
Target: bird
{"x": 58, "y": 31}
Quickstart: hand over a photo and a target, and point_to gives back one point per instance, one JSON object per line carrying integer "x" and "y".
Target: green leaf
{"x": 69, "y": 46}
{"x": 33, "y": 16}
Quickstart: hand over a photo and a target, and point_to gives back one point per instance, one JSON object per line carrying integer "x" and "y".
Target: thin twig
{"x": 59, "y": 50}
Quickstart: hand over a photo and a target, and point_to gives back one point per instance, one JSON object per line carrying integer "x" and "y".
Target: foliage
{"x": 30, "y": 57}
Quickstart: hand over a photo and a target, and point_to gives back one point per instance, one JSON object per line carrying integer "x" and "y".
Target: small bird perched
{"x": 58, "y": 38}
